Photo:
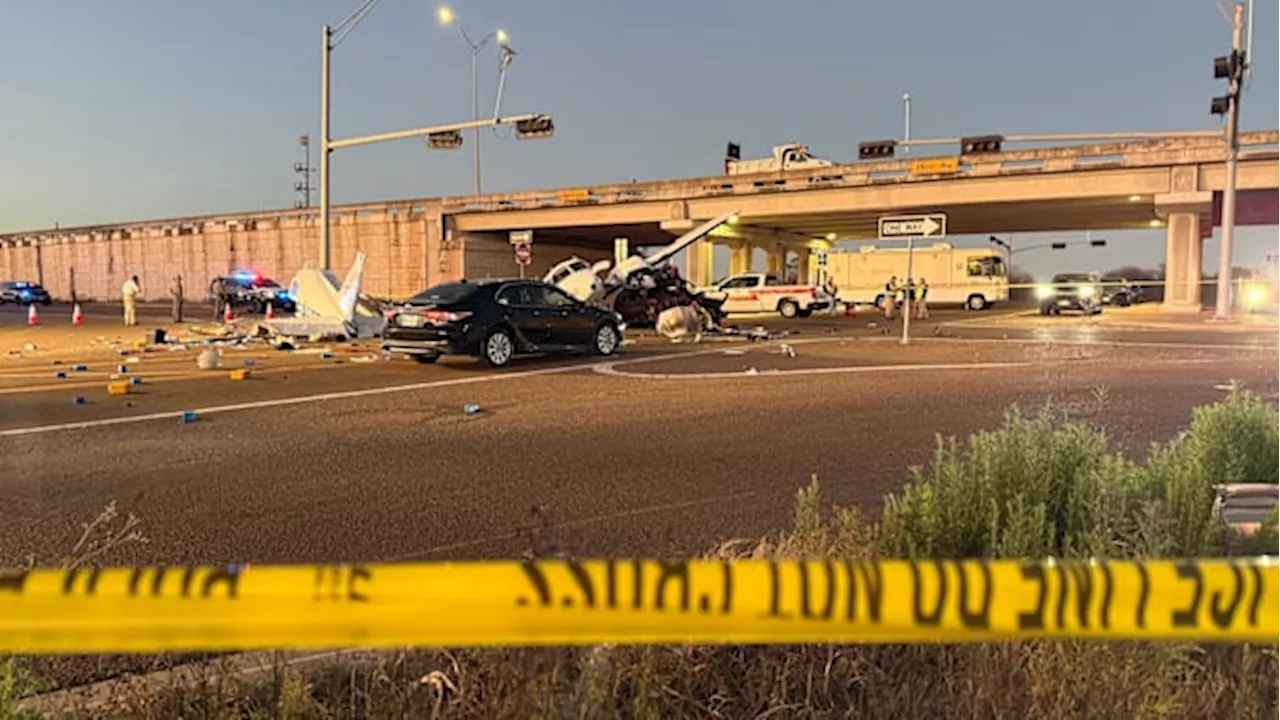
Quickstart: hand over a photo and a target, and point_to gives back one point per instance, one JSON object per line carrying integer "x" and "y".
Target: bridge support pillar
{"x": 1184, "y": 248}
{"x": 775, "y": 255}
{"x": 740, "y": 258}
{"x": 803, "y": 265}
{"x": 698, "y": 263}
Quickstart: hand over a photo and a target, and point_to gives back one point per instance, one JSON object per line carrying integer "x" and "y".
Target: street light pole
{"x": 1222, "y": 306}
{"x": 324, "y": 147}
{"x": 906, "y": 123}
{"x": 445, "y": 16}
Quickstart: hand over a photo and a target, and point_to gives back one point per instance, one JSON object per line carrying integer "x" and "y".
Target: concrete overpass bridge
{"x": 1151, "y": 184}
{"x": 418, "y": 242}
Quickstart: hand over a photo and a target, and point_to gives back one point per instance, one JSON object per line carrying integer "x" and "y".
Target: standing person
{"x": 890, "y": 297}
{"x": 129, "y": 293}
{"x": 176, "y": 292}
{"x": 922, "y": 294}
{"x": 833, "y": 290}
{"x": 219, "y": 295}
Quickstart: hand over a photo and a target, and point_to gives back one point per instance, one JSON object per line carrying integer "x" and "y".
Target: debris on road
{"x": 209, "y": 359}
{"x": 751, "y": 371}
{"x": 241, "y": 374}
{"x": 188, "y": 416}
{"x": 788, "y": 350}
{"x": 118, "y": 388}
{"x": 471, "y": 409}
{"x": 78, "y": 400}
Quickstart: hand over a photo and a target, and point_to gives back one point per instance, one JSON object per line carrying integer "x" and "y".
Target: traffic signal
{"x": 535, "y": 128}
{"x": 448, "y": 140}
{"x": 733, "y": 151}
{"x": 876, "y": 149}
{"x": 1098, "y": 243}
{"x": 1231, "y": 68}
{"x": 981, "y": 144}
{"x": 1059, "y": 246}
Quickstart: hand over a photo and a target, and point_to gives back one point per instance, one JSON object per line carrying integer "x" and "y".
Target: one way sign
{"x": 914, "y": 226}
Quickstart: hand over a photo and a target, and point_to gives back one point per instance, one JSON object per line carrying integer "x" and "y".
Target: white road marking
{"x": 610, "y": 369}
{"x": 1086, "y": 343}
{"x": 340, "y": 395}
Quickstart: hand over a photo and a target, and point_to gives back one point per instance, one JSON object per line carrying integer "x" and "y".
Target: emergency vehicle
{"x": 759, "y": 293}
{"x": 976, "y": 278}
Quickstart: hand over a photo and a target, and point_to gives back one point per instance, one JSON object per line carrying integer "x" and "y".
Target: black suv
{"x": 1070, "y": 291}
{"x": 20, "y": 292}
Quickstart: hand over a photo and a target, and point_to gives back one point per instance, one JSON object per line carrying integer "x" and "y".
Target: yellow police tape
{"x": 148, "y": 609}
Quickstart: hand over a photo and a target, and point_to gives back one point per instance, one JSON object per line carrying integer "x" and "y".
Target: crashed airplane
{"x": 327, "y": 309}
{"x": 640, "y": 287}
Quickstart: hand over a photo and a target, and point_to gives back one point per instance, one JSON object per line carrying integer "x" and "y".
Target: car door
{"x": 569, "y": 324}
{"x": 525, "y": 312}
{"x": 741, "y": 295}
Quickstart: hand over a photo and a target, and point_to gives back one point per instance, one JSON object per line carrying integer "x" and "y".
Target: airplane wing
{"x": 688, "y": 239}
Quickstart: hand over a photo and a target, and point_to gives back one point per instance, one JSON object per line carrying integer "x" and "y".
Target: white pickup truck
{"x": 758, "y": 292}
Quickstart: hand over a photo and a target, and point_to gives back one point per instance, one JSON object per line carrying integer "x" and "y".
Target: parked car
{"x": 1070, "y": 291}
{"x": 498, "y": 319}
{"x": 1121, "y": 293}
{"x": 21, "y": 292}
{"x": 247, "y": 290}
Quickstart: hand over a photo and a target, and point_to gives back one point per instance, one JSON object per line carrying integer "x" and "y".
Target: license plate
{"x": 411, "y": 321}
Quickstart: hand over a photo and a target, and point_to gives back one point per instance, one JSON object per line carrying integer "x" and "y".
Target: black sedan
{"x": 498, "y": 319}
{"x": 23, "y": 293}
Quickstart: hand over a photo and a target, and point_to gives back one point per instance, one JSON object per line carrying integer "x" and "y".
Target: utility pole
{"x": 303, "y": 169}
{"x": 906, "y": 123}
{"x": 1232, "y": 68}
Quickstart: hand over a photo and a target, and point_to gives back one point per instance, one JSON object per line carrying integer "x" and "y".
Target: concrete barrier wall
{"x": 403, "y": 246}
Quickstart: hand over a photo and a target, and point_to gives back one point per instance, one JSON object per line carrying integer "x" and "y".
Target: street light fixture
{"x": 441, "y": 136}
{"x": 447, "y": 18}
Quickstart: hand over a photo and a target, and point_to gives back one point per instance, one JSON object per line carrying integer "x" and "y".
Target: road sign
{"x": 913, "y": 226}
{"x": 524, "y": 253}
{"x": 520, "y": 237}
{"x": 822, "y": 257}
{"x": 936, "y": 166}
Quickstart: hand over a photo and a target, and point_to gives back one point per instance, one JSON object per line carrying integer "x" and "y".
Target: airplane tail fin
{"x": 349, "y": 293}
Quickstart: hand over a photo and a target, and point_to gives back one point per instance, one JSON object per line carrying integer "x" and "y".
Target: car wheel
{"x": 788, "y": 308}
{"x": 605, "y": 340}
{"x": 976, "y": 302}
{"x": 498, "y": 348}
{"x": 426, "y": 358}
{"x": 1046, "y": 310}
{"x": 806, "y": 312}
{"x": 1120, "y": 301}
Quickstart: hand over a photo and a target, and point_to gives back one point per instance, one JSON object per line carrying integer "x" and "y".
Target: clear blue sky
{"x": 130, "y": 109}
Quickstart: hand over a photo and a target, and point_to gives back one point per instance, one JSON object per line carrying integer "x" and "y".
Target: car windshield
{"x": 1073, "y": 278}
{"x": 446, "y": 294}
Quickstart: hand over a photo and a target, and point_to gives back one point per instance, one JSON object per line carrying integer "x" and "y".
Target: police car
{"x": 249, "y": 290}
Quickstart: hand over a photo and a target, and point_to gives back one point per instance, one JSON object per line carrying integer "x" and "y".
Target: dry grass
{"x": 1030, "y": 488}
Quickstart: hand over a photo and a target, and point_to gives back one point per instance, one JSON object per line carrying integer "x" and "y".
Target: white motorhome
{"x": 976, "y": 278}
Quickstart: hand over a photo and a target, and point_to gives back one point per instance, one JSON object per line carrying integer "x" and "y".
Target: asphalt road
{"x": 651, "y": 453}
{"x": 664, "y": 450}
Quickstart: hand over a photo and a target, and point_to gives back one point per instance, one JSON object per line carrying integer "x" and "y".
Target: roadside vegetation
{"x": 1033, "y": 487}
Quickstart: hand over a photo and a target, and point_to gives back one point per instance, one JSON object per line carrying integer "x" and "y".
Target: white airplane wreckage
{"x": 327, "y": 310}
{"x": 644, "y": 287}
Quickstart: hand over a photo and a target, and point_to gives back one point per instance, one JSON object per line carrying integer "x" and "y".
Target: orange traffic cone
{"x": 271, "y": 311}
{"x": 33, "y": 318}
{"x": 77, "y": 317}
{"x": 227, "y": 315}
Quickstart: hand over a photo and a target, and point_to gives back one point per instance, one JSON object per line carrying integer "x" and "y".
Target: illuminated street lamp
{"x": 444, "y": 137}
{"x": 447, "y": 18}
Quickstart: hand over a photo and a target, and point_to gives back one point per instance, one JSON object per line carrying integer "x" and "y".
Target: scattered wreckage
{"x": 640, "y": 287}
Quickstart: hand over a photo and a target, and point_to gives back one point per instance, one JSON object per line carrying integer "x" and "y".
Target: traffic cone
{"x": 227, "y": 315}
{"x": 77, "y": 317}
{"x": 271, "y": 311}
{"x": 33, "y": 318}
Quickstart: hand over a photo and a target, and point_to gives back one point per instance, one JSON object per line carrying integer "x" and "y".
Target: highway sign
{"x": 935, "y": 166}
{"x": 524, "y": 253}
{"x": 913, "y": 226}
{"x": 520, "y": 237}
